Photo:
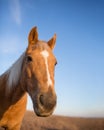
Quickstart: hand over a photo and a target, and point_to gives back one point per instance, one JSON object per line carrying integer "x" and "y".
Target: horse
{"x": 33, "y": 74}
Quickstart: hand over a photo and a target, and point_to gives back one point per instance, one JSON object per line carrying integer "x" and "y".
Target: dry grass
{"x": 32, "y": 122}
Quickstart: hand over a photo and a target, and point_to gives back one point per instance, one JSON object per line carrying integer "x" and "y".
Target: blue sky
{"x": 79, "y": 25}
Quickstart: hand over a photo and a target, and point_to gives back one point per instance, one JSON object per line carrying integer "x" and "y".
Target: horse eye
{"x": 56, "y": 63}
{"x": 28, "y": 58}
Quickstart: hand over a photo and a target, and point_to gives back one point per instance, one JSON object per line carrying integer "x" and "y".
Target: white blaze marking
{"x": 45, "y": 54}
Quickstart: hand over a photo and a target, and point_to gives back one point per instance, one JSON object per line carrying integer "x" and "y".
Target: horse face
{"x": 38, "y": 71}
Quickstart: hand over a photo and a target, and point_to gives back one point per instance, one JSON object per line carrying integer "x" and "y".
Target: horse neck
{"x": 9, "y": 99}
{"x": 10, "y": 85}
{"x": 12, "y": 94}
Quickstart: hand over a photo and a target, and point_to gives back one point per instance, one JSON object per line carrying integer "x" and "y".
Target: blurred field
{"x": 32, "y": 122}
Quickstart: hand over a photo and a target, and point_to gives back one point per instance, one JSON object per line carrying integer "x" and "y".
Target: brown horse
{"x": 32, "y": 73}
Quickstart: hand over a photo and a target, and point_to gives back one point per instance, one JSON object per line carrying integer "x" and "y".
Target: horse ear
{"x": 52, "y": 41}
{"x": 33, "y": 36}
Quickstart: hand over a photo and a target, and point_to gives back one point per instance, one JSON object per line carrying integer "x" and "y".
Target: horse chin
{"x": 42, "y": 112}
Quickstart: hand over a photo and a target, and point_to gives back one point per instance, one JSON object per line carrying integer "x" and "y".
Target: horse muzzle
{"x": 45, "y": 104}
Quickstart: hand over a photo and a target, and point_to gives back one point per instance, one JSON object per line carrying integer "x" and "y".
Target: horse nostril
{"x": 41, "y": 99}
{"x": 48, "y": 101}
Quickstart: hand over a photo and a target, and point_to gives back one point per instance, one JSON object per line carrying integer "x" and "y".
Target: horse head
{"x": 38, "y": 73}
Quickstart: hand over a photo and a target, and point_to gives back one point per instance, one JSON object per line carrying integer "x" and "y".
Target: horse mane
{"x": 14, "y": 72}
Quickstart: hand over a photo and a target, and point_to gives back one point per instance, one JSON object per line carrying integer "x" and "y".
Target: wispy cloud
{"x": 16, "y": 11}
